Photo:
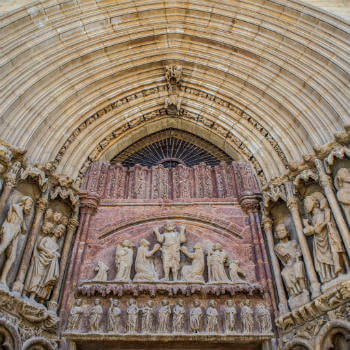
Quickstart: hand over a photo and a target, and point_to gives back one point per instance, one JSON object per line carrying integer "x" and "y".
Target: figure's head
{"x": 310, "y": 202}
{"x": 114, "y": 302}
{"x": 196, "y": 303}
{"x": 246, "y": 302}
{"x": 198, "y": 246}
{"x": 78, "y": 302}
{"x": 149, "y": 303}
{"x": 47, "y": 228}
{"x": 281, "y": 231}
{"x": 27, "y": 204}
{"x": 131, "y": 301}
{"x": 127, "y": 243}
{"x": 229, "y": 302}
{"x": 169, "y": 226}
{"x": 217, "y": 246}
{"x": 212, "y": 303}
{"x": 180, "y": 302}
{"x": 97, "y": 301}
{"x": 144, "y": 243}
{"x": 57, "y": 216}
{"x": 59, "y": 231}
{"x": 165, "y": 302}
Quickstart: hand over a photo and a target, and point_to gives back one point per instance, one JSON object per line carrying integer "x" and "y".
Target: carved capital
{"x": 267, "y": 223}
{"x": 89, "y": 201}
{"x": 42, "y": 204}
{"x": 73, "y": 223}
{"x": 249, "y": 204}
{"x": 292, "y": 204}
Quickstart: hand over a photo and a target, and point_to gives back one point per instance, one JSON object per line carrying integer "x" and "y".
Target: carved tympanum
{"x": 13, "y": 225}
{"x": 123, "y": 260}
{"x": 194, "y": 272}
{"x": 217, "y": 258}
{"x": 328, "y": 250}
{"x": 101, "y": 270}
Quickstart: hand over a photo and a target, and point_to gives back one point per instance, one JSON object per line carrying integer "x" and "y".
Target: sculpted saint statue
{"x": 101, "y": 270}
{"x": 217, "y": 258}
{"x": 114, "y": 317}
{"x": 132, "y": 316}
{"x": 247, "y": 316}
{"x": 123, "y": 260}
{"x": 195, "y": 317}
{"x": 288, "y": 251}
{"x": 144, "y": 264}
{"x": 164, "y": 317}
{"x": 230, "y": 314}
{"x": 236, "y": 273}
{"x": 264, "y": 318}
{"x": 171, "y": 241}
{"x": 75, "y": 315}
{"x": 95, "y": 316}
{"x": 194, "y": 272}
{"x": 212, "y": 317}
{"x": 179, "y": 317}
{"x": 342, "y": 184}
{"x": 328, "y": 250}
{"x": 147, "y": 317}
{"x": 13, "y": 225}
{"x": 44, "y": 271}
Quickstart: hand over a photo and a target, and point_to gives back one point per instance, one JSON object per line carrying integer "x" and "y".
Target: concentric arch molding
{"x": 161, "y": 114}
{"x": 257, "y": 126}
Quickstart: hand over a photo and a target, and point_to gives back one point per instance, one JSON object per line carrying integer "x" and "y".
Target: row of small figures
{"x": 170, "y": 319}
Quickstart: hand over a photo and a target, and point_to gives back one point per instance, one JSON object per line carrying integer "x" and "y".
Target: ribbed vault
{"x": 267, "y": 79}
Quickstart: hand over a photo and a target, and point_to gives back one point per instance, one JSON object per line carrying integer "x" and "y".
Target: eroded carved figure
{"x": 217, "y": 258}
{"x": 247, "y": 316}
{"x": 13, "y": 225}
{"x": 44, "y": 270}
{"x": 171, "y": 241}
{"x": 230, "y": 315}
{"x": 114, "y": 317}
{"x": 164, "y": 317}
{"x": 237, "y": 275}
{"x": 147, "y": 317}
{"x": 194, "y": 272}
{"x": 144, "y": 264}
{"x": 264, "y": 318}
{"x": 95, "y": 316}
{"x": 123, "y": 260}
{"x": 293, "y": 271}
{"x": 75, "y": 316}
{"x": 196, "y": 317}
{"x": 101, "y": 270}
{"x": 132, "y": 316}
{"x": 179, "y": 317}
{"x": 212, "y": 317}
{"x": 328, "y": 251}
{"x": 342, "y": 184}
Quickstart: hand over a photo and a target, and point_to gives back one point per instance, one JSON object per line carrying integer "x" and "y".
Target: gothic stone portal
{"x": 169, "y": 255}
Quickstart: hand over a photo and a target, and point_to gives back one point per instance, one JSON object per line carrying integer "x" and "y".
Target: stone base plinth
{"x": 333, "y": 284}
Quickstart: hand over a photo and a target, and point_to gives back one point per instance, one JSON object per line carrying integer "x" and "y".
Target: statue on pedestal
{"x": 101, "y": 270}
{"x": 114, "y": 317}
{"x": 230, "y": 314}
{"x": 247, "y": 316}
{"x": 195, "y": 317}
{"x": 217, "y": 258}
{"x": 95, "y": 316}
{"x": 147, "y": 317}
{"x": 264, "y": 318}
{"x": 171, "y": 241}
{"x": 212, "y": 317}
{"x": 132, "y": 316}
{"x": 75, "y": 316}
{"x": 13, "y": 225}
{"x": 179, "y": 317}
{"x": 164, "y": 317}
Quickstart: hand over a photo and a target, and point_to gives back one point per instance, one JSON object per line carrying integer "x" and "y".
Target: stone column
{"x": 282, "y": 305}
{"x": 327, "y": 185}
{"x": 292, "y": 204}
{"x": 28, "y": 250}
{"x": 72, "y": 225}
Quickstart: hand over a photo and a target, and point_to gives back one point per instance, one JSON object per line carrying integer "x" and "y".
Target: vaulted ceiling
{"x": 263, "y": 80}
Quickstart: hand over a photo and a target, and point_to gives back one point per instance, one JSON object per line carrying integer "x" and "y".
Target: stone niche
{"x": 216, "y": 210}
